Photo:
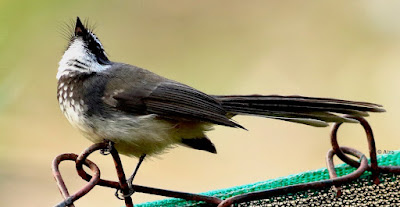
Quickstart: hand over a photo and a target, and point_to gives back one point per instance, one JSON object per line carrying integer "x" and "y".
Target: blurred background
{"x": 340, "y": 49}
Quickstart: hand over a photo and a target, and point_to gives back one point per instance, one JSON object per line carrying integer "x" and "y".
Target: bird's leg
{"x": 130, "y": 180}
{"x": 107, "y": 151}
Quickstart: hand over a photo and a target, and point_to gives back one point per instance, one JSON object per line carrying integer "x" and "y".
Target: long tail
{"x": 305, "y": 110}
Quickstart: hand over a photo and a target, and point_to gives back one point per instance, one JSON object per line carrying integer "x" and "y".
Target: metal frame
{"x": 122, "y": 186}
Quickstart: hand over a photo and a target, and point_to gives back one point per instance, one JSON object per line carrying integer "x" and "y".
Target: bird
{"x": 144, "y": 114}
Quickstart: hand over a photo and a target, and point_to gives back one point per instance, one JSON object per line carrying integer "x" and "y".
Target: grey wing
{"x": 172, "y": 100}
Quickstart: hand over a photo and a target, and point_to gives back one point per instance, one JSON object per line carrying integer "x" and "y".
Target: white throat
{"x": 78, "y": 58}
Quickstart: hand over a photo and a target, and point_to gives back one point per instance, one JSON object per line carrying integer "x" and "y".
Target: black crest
{"x": 92, "y": 42}
{"x": 80, "y": 30}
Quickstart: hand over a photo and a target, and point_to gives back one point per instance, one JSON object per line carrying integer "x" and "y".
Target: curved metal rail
{"x": 121, "y": 185}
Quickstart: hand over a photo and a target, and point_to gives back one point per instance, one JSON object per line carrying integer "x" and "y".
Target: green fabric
{"x": 360, "y": 192}
{"x": 310, "y": 176}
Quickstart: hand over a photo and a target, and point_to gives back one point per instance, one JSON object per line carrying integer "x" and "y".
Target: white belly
{"x": 135, "y": 135}
{"x": 132, "y": 135}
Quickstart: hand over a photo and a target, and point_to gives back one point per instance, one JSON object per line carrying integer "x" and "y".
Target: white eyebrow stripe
{"x": 96, "y": 39}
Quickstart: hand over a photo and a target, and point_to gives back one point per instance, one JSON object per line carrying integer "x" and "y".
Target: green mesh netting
{"x": 359, "y": 192}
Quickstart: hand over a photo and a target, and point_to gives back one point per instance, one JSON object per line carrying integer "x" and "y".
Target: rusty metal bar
{"x": 121, "y": 177}
{"x": 177, "y": 194}
{"x": 332, "y": 172}
{"x": 390, "y": 169}
{"x": 81, "y": 172}
{"x": 302, "y": 187}
{"x": 69, "y": 200}
{"x": 142, "y": 189}
{"x": 123, "y": 186}
{"x": 373, "y": 167}
{"x": 118, "y": 166}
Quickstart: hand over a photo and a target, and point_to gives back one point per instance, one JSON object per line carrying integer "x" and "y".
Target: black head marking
{"x": 91, "y": 41}
{"x": 80, "y": 30}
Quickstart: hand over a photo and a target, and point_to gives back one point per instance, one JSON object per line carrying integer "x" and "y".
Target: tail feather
{"x": 298, "y": 109}
{"x": 311, "y": 122}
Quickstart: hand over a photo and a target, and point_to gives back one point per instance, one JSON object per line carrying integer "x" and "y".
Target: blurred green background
{"x": 339, "y": 49}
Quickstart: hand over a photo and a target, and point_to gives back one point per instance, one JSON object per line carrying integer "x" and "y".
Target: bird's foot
{"x": 110, "y": 146}
{"x": 121, "y": 196}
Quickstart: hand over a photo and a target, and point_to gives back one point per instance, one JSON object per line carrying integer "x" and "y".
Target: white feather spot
{"x": 116, "y": 92}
